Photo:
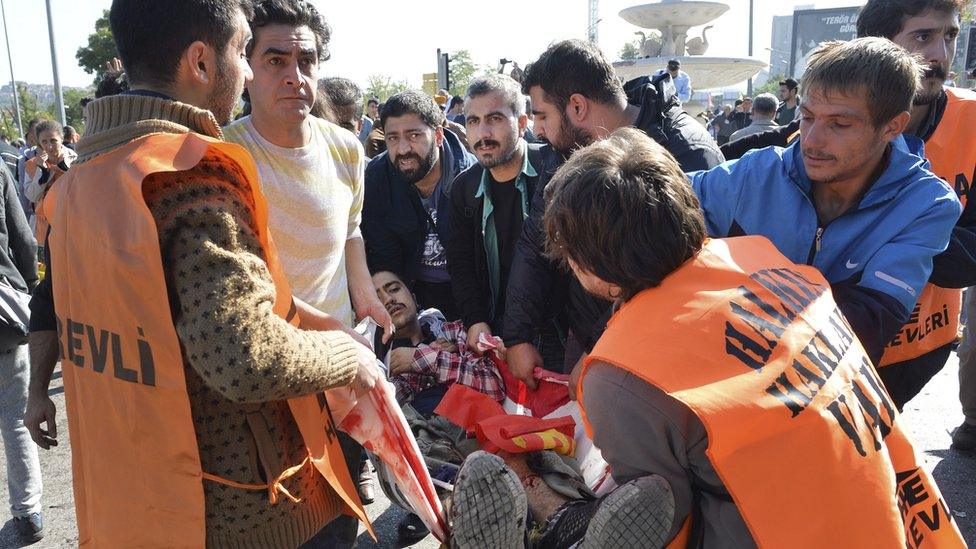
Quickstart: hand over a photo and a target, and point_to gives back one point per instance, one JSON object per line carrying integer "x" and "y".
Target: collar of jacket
{"x": 906, "y": 159}
{"x": 119, "y": 119}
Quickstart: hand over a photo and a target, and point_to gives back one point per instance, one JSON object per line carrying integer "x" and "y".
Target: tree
{"x": 72, "y": 107}
{"x": 100, "y": 49}
{"x": 382, "y": 87}
{"x": 463, "y": 70}
{"x": 630, "y": 51}
{"x": 770, "y": 86}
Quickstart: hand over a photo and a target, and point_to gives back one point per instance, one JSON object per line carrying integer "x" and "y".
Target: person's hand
{"x": 368, "y": 373}
{"x": 401, "y": 360}
{"x": 113, "y": 65}
{"x": 40, "y": 157}
{"x": 574, "y": 376}
{"x": 523, "y": 359}
{"x": 41, "y": 409}
{"x": 474, "y": 334}
{"x": 444, "y": 346}
{"x": 373, "y": 308}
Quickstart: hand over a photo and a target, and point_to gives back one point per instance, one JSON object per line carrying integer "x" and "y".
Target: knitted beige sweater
{"x": 241, "y": 360}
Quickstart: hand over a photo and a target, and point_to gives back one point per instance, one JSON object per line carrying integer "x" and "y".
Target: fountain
{"x": 673, "y": 19}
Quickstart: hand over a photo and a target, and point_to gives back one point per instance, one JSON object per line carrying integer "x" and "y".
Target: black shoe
{"x": 964, "y": 439}
{"x": 30, "y": 528}
{"x": 411, "y": 529}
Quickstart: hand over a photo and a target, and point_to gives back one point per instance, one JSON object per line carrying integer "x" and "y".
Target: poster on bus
{"x": 811, "y": 27}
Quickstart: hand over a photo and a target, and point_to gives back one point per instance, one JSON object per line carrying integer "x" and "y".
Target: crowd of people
{"x": 728, "y": 299}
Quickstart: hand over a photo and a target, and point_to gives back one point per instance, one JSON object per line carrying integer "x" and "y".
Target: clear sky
{"x": 399, "y": 38}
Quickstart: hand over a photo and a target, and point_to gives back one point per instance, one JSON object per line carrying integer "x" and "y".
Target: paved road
{"x": 931, "y": 418}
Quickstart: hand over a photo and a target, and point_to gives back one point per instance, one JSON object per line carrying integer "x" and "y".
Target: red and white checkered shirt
{"x": 435, "y": 367}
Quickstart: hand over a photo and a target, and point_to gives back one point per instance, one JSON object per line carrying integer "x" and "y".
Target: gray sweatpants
{"x": 967, "y": 359}
{"x": 23, "y": 467}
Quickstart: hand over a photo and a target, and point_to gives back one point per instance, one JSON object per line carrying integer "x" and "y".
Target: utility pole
{"x": 58, "y": 98}
{"x": 751, "y": 8}
{"x": 10, "y": 60}
{"x": 593, "y": 22}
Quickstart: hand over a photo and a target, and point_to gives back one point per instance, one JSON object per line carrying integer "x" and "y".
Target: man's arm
{"x": 777, "y": 136}
{"x": 43, "y": 348}
{"x": 459, "y": 366}
{"x": 891, "y": 282}
{"x": 361, "y": 290}
{"x": 956, "y": 267}
{"x": 462, "y": 249}
{"x": 718, "y": 192}
{"x": 19, "y": 235}
{"x": 533, "y": 279}
{"x": 671, "y": 441}
{"x": 383, "y": 250}
{"x": 223, "y": 297}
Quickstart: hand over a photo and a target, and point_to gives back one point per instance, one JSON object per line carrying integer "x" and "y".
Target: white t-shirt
{"x": 315, "y": 203}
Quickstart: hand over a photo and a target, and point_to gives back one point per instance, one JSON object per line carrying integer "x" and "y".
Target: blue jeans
{"x": 23, "y": 467}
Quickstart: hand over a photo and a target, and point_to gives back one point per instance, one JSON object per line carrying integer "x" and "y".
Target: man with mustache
{"x": 577, "y": 99}
{"x": 941, "y": 116}
{"x": 851, "y": 196}
{"x": 407, "y": 207}
{"x": 312, "y": 175}
{"x": 489, "y": 202}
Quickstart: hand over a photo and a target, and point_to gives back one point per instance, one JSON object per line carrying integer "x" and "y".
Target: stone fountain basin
{"x": 706, "y": 72}
{"x": 690, "y": 13}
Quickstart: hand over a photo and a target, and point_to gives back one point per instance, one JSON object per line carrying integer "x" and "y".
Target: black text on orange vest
{"x": 915, "y": 500}
{"x": 88, "y": 346}
{"x": 962, "y": 185}
{"x": 917, "y": 329}
{"x": 863, "y": 411}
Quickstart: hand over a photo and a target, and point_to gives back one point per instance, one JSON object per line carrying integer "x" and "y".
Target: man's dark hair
{"x": 48, "y": 126}
{"x": 885, "y": 18}
{"x": 790, "y": 83}
{"x": 341, "y": 92}
{"x": 412, "y": 102}
{"x": 623, "y": 210}
{"x": 70, "y": 132}
{"x": 293, "y": 13}
{"x": 151, "y": 35}
{"x": 456, "y": 100}
{"x": 373, "y": 101}
{"x": 574, "y": 66}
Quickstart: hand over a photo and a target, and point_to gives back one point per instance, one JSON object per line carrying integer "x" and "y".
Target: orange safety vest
{"x": 800, "y": 429}
{"x": 952, "y": 152}
{"x": 138, "y": 481}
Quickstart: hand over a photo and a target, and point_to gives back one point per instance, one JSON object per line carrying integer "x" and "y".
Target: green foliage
{"x": 463, "y": 71}
{"x": 100, "y": 48}
{"x": 72, "y": 107}
{"x": 630, "y": 51}
{"x": 382, "y": 87}
{"x": 770, "y": 86}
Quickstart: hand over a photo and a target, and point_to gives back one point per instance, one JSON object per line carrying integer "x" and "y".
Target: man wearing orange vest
{"x": 726, "y": 370}
{"x": 193, "y": 379}
{"x": 940, "y": 116}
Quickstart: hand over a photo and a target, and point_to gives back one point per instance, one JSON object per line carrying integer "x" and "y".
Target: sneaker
{"x": 636, "y": 515}
{"x": 366, "y": 493}
{"x": 29, "y": 528}
{"x": 488, "y": 507}
{"x": 964, "y": 439}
